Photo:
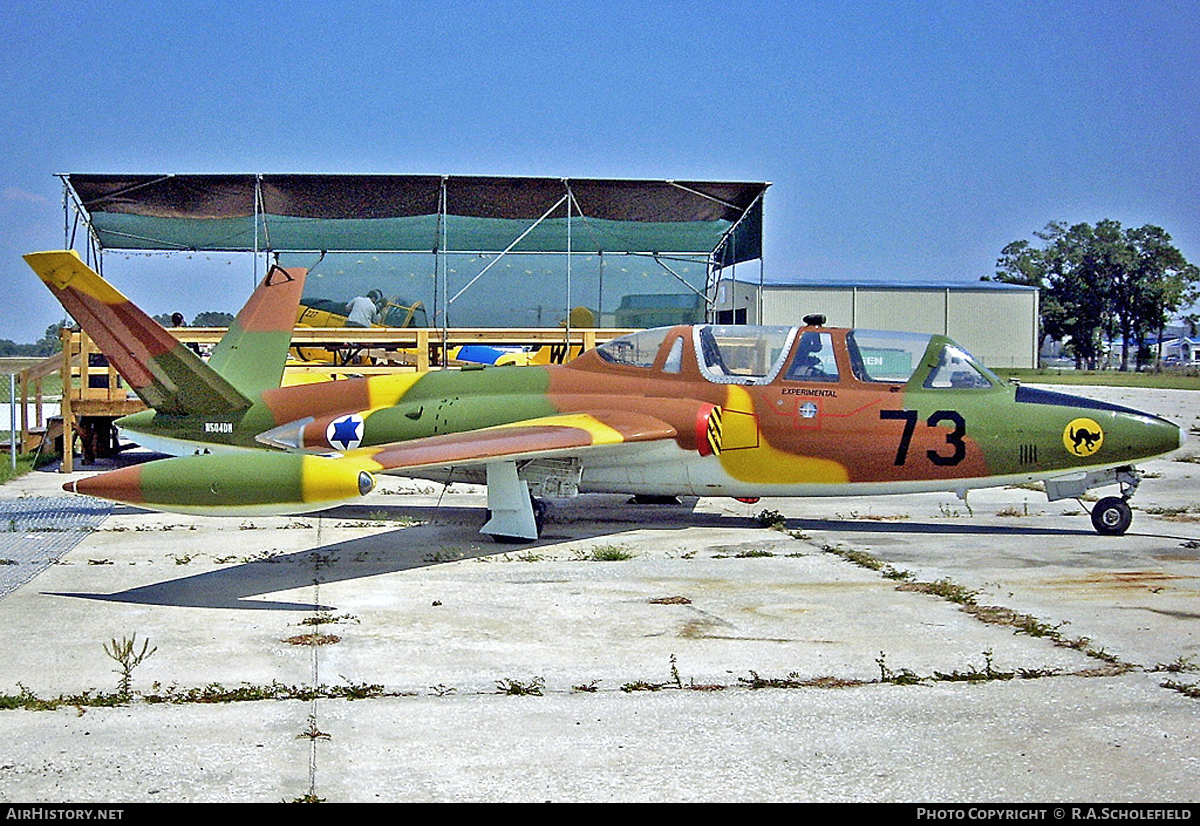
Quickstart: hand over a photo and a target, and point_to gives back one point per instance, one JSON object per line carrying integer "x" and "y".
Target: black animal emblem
{"x": 1084, "y": 441}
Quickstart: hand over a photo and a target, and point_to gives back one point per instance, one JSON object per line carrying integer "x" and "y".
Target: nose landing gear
{"x": 1111, "y": 516}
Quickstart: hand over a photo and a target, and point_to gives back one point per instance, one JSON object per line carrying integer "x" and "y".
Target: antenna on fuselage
{"x": 814, "y": 320}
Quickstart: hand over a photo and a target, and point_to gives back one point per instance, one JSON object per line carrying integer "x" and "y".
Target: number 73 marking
{"x": 954, "y": 438}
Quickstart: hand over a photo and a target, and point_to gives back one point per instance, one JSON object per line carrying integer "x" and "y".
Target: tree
{"x": 1100, "y": 282}
{"x": 212, "y": 319}
{"x": 1162, "y": 282}
{"x": 50, "y": 342}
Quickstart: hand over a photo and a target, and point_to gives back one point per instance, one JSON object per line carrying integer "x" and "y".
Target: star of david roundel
{"x": 345, "y": 432}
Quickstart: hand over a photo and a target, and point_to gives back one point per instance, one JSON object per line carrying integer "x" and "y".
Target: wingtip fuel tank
{"x": 233, "y": 484}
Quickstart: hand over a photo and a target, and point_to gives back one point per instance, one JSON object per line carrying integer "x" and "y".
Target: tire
{"x": 1112, "y": 516}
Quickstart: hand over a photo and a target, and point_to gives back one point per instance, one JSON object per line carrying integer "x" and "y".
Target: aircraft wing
{"x": 274, "y": 481}
{"x": 549, "y": 436}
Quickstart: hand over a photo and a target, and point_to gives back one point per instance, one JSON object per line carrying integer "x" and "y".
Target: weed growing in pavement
{"x": 313, "y": 639}
{"x": 974, "y": 675}
{"x": 943, "y": 588}
{"x": 275, "y": 690}
{"x": 127, "y": 657}
{"x": 328, "y": 619}
{"x": 312, "y": 732}
{"x": 28, "y": 701}
{"x": 772, "y": 519}
{"x": 1178, "y": 665}
{"x": 521, "y": 688}
{"x": 1192, "y": 690}
{"x": 866, "y": 560}
{"x": 603, "y": 553}
{"x": 793, "y": 680}
{"x": 902, "y": 677}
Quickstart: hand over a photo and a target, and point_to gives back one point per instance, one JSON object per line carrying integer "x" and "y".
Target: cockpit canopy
{"x": 752, "y": 355}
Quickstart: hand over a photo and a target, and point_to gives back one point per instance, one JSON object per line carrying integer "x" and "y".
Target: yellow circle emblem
{"x": 1083, "y": 437}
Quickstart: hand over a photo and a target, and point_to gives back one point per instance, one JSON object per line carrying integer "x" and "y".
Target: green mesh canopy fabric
{"x": 405, "y": 213}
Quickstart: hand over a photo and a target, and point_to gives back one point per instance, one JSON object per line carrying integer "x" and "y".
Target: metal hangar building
{"x": 996, "y": 322}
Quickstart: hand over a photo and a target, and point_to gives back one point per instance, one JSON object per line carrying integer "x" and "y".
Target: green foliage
{"x": 25, "y": 463}
{"x": 47, "y": 345}
{"x": 217, "y": 693}
{"x": 127, "y": 656}
{"x": 603, "y": 553}
{"x": 772, "y": 519}
{"x": 1174, "y": 379}
{"x": 902, "y": 677}
{"x": 212, "y": 319}
{"x": 521, "y": 688}
{"x": 1102, "y": 282}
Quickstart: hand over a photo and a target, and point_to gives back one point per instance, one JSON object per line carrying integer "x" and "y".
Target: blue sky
{"x": 906, "y": 140}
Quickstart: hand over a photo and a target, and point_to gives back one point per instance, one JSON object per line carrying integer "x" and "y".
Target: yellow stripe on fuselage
{"x": 387, "y": 391}
{"x": 764, "y": 463}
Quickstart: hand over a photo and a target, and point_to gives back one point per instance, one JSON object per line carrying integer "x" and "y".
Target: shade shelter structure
{"x": 475, "y": 250}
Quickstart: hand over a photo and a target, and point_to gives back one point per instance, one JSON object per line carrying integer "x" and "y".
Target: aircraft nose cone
{"x": 1159, "y": 437}
{"x": 124, "y": 485}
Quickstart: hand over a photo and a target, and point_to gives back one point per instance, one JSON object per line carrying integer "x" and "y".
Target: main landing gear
{"x": 514, "y": 515}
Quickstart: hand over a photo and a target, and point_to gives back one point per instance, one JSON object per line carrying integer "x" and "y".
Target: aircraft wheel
{"x": 539, "y": 512}
{"x": 1112, "y": 516}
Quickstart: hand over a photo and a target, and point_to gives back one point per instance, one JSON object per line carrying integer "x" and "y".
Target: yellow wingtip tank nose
{"x": 234, "y": 484}
{"x": 326, "y": 479}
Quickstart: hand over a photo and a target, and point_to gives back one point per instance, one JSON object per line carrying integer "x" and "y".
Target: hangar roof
{"x": 906, "y": 284}
{"x": 421, "y": 213}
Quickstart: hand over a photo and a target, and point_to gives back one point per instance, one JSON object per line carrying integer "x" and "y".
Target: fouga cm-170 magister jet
{"x": 703, "y": 410}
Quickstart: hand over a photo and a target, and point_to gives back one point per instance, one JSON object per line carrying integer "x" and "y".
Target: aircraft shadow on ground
{"x": 449, "y": 534}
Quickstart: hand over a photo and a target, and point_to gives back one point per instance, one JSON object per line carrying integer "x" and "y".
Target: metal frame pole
{"x": 444, "y": 209}
{"x": 12, "y": 424}
{"x": 567, "y": 325}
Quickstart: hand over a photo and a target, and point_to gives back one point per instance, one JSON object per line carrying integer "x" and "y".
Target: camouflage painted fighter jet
{"x": 702, "y": 410}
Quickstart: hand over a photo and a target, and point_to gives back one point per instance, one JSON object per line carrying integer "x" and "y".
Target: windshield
{"x": 880, "y": 356}
{"x": 636, "y": 349}
{"x": 739, "y": 354}
{"x": 956, "y": 368}
{"x": 885, "y": 356}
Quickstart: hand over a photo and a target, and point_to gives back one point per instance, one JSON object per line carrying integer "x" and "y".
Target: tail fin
{"x": 252, "y": 353}
{"x": 164, "y": 373}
